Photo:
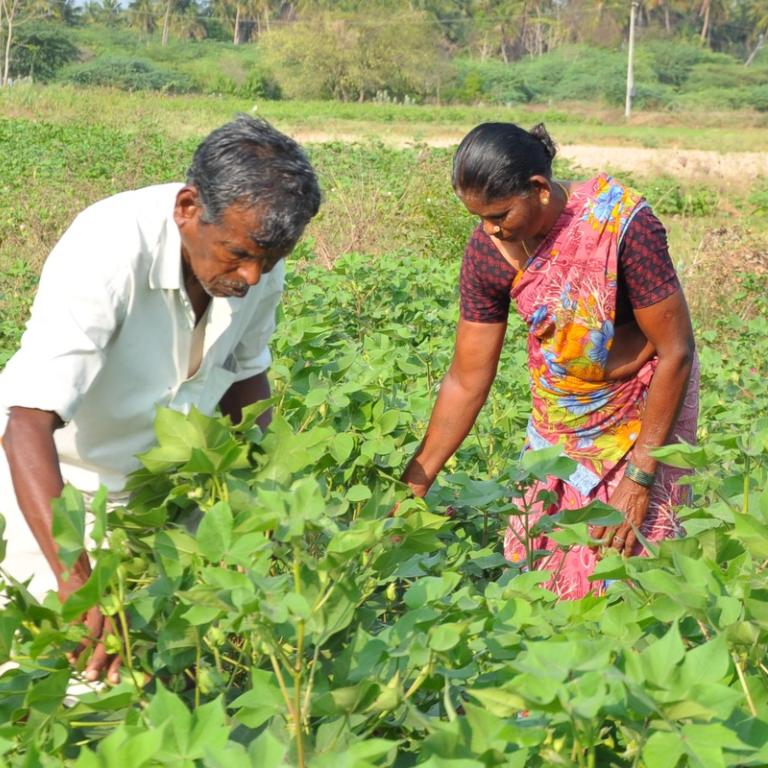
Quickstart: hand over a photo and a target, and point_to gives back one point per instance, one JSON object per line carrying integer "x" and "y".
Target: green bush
{"x": 40, "y": 51}
{"x": 673, "y": 61}
{"x": 126, "y": 74}
{"x": 492, "y": 81}
{"x": 667, "y": 196}
{"x": 724, "y": 72}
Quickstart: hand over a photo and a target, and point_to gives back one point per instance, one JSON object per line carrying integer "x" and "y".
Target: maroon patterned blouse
{"x": 646, "y": 273}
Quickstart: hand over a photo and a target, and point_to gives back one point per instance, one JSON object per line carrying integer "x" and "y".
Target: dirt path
{"x": 689, "y": 164}
{"x": 694, "y": 164}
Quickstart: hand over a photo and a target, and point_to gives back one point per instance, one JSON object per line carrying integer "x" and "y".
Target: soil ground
{"x": 689, "y": 164}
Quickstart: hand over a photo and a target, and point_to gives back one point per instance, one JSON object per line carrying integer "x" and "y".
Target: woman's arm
{"x": 667, "y": 326}
{"x": 462, "y": 394}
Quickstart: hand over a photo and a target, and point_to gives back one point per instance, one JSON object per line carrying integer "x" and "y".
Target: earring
{"x": 545, "y": 200}
{"x": 496, "y": 230}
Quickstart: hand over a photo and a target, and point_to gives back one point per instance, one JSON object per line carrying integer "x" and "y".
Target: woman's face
{"x": 512, "y": 218}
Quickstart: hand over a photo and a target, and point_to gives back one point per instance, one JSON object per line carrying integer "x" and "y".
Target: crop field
{"x": 302, "y": 625}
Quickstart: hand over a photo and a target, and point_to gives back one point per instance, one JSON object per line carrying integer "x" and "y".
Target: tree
{"x": 107, "y": 12}
{"x": 142, "y": 15}
{"x": 357, "y": 55}
{"x": 40, "y": 50}
{"x": 10, "y": 13}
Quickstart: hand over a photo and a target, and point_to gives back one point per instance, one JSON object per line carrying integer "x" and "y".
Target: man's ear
{"x": 188, "y": 206}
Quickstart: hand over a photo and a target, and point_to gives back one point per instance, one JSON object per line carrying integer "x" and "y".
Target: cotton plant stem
{"x": 127, "y": 655}
{"x": 298, "y": 665}
{"x": 198, "y": 656}
{"x": 744, "y": 686}
{"x": 311, "y": 681}
{"x": 745, "y": 503}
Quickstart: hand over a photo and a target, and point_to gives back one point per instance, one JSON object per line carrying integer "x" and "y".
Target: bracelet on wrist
{"x": 639, "y": 476}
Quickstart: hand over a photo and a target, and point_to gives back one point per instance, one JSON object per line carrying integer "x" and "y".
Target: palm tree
{"x": 143, "y": 16}
{"x": 188, "y": 25}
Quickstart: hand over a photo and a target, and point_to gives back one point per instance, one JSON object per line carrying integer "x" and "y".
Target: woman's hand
{"x": 633, "y": 500}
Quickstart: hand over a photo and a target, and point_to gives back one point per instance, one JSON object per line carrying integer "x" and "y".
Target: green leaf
{"x": 175, "y": 429}
{"x": 358, "y": 493}
{"x": 262, "y": 702}
{"x": 267, "y": 751}
{"x": 548, "y": 462}
{"x": 663, "y": 750}
{"x": 48, "y": 692}
{"x": 431, "y": 588}
{"x": 682, "y": 456}
{"x": 499, "y": 701}
{"x": 69, "y": 524}
{"x": 166, "y": 707}
{"x": 209, "y": 729}
{"x": 444, "y": 637}
{"x": 99, "y": 510}
{"x": 94, "y": 589}
{"x": 341, "y": 446}
{"x": 595, "y": 513}
{"x": 661, "y": 657}
{"x": 214, "y": 534}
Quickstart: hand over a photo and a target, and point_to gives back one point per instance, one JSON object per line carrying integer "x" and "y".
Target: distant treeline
{"x": 707, "y": 52}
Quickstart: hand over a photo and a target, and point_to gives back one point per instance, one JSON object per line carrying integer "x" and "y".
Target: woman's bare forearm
{"x": 667, "y": 327}
{"x": 453, "y": 416}
{"x": 665, "y": 398}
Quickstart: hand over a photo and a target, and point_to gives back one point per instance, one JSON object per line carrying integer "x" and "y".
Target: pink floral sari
{"x": 567, "y": 297}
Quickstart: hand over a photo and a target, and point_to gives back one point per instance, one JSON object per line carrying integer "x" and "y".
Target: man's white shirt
{"x": 110, "y": 336}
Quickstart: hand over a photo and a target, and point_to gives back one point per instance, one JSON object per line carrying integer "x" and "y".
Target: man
{"x": 163, "y": 296}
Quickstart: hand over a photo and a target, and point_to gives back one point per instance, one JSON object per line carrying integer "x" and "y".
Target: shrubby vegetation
{"x": 502, "y": 52}
{"x": 301, "y": 624}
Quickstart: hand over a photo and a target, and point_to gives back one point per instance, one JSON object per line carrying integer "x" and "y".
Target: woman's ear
{"x": 541, "y": 186}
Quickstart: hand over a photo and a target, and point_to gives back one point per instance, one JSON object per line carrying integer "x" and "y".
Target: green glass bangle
{"x": 646, "y": 479}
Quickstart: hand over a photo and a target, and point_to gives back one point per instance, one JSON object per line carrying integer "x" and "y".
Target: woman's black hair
{"x": 496, "y": 160}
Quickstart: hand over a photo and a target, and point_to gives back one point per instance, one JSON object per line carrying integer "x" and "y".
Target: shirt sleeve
{"x": 252, "y": 352}
{"x": 485, "y": 281}
{"x": 79, "y": 305}
{"x": 646, "y": 270}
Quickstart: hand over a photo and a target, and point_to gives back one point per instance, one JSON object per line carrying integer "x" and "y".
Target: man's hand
{"x": 633, "y": 500}
{"x": 98, "y": 627}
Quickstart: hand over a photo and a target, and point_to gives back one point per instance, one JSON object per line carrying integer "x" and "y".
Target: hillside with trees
{"x": 709, "y": 53}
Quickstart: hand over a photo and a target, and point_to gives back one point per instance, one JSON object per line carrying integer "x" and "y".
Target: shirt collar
{"x": 165, "y": 271}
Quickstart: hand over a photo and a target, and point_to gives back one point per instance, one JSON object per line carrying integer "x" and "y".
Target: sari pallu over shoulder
{"x": 567, "y": 296}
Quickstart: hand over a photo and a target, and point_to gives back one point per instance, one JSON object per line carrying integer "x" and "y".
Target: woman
{"x": 613, "y": 373}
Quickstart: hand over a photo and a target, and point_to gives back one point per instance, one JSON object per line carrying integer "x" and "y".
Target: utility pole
{"x": 630, "y": 61}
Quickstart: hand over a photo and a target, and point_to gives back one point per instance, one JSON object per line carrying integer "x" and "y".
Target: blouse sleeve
{"x": 485, "y": 282}
{"x": 645, "y": 267}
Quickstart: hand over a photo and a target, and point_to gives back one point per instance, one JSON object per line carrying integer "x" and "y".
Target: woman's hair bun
{"x": 540, "y": 132}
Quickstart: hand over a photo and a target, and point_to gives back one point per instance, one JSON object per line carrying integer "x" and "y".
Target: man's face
{"x": 223, "y": 257}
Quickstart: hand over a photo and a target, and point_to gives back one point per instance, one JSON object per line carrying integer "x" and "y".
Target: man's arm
{"x": 462, "y": 394}
{"x": 34, "y": 465}
{"x": 246, "y": 392}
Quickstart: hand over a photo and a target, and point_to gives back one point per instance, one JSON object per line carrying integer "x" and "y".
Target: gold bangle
{"x": 639, "y": 476}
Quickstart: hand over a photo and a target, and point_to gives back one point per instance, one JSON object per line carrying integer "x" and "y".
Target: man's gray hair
{"x": 247, "y": 162}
